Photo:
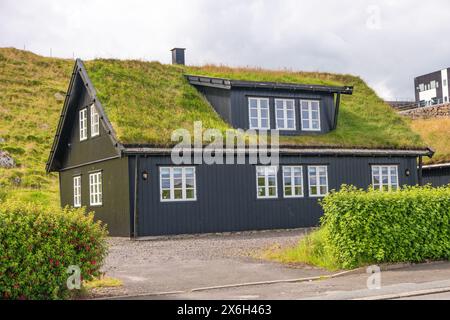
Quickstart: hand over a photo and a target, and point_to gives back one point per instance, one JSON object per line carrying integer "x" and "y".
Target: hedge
{"x": 409, "y": 225}
{"x": 38, "y": 244}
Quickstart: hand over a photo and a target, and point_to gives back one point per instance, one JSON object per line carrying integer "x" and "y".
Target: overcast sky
{"x": 386, "y": 42}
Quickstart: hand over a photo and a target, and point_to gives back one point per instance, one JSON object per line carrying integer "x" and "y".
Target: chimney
{"x": 178, "y": 55}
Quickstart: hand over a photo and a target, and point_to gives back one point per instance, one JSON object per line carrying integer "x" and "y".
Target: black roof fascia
{"x": 228, "y": 84}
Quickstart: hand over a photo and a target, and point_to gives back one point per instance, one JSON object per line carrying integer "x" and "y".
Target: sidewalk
{"x": 353, "y": 286}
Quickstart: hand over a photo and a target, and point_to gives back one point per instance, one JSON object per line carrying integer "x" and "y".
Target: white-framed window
{"x": 177, "y": 184}
{"x": 258, "y": 112}
{"x": 77, "y": 191}
{"x": 385, "y": 178}
{"x": 95, "y": 121}
{"x": 83, "y": 124}
{"x": 293, "y": 181}
{"x": 285, "y": 114}
{"x": 318, "y": 181}
{"x": 310, "y": 115}
{"x": 266, "y": 182}
{"x": 95, "y": 189}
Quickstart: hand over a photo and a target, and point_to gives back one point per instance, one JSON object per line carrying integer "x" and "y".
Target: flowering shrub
{"x": 410, "y": 225}
{"x": 38, "y": 244}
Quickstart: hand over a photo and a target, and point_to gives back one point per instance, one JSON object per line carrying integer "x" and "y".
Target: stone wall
{"x": 439, "y": 111}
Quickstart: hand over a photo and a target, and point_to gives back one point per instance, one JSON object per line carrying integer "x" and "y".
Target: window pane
{"x": 305, "y": 114}
{"x": 272, "y": 181}
{"x": 315, "y": 124}
{"x": 290, "y": 124}
{"x": 298, "y": 191}
{"x": 288, "y": 191}
{"x": 261, "y": 192}
{"x": 190, "y": 194}
{"x": 264, "y": 123}
{"x": 253, "y": 103}
{"x": 189, "y": 183}
{"x": 264, "y": 103}
{"x": 305, "y": 124}
{"x": 165, "y": 183}
{"x": 178, "y": 194}
{"x": 264, "y": 113}
{"x": 254, "y": 113}
{"x": 165, "y": 173}
{"x": 261, "y": 181}
{"x": 313, "y": 190}
{"x": 254, "y": 123}
{"x": 290, "y": 113}
{"x": 280, "y": 123}
{"x": 323, "y": 190}
{"x": 272, "y": 191}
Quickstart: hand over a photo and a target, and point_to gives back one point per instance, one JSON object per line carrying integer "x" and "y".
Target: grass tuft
{"x": 310, "y": 250}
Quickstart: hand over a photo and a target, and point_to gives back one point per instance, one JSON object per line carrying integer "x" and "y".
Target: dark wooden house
{"x": 136, "y": 189}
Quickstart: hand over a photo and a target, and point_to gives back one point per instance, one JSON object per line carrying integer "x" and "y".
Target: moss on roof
{"x": 146, "y": 101}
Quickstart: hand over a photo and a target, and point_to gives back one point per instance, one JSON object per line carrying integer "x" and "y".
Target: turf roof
{"x": 146, "y": 101}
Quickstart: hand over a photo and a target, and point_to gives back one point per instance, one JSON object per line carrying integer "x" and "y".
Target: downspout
{"x": 135, "y": 211}
{"x": 336, "y": 110}
{"x": 420, "y": 171}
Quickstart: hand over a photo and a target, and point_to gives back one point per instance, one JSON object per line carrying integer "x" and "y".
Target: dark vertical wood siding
{"x": 115, "y": 210}
{"x": 226, "y": 195}
{"x": 436, "y": 176}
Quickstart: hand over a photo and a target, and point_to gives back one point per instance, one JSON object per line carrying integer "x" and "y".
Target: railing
{"x": 421, "y": 104}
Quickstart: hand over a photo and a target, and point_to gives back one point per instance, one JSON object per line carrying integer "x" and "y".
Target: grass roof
{"x": 146, "y": 101}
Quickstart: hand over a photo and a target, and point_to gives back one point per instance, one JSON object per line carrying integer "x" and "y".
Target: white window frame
{"x": 292, "y": 180}
{"x": 310, "y": 119}
{"x": 172, "y": 188}
{"x": 83, "y": 124}
{"x": 266, "y": 173}
{"x": 285, "y": 117}
{"x": 95, "y": 189}
{"x": 317, "y": 181}
{"x": 380, "y": 185}
{"x": 258, "y": 115}
{"x": 77, "y": 191}
{"x": 95, "y": 121}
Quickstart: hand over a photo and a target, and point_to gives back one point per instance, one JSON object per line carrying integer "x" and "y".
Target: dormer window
{"x": 83, "y": 124}
{"x": 310, "y": 114}
{"x": 95, "y": 123}
{"x": 258, "y": 109}
{"x": 285, "y": 114}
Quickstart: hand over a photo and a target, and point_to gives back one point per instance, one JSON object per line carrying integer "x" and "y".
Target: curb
{"x": 405, "y": 294}
{"x": 235, "y": 285}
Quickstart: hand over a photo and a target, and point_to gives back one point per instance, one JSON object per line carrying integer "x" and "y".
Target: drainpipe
{"x": 420, "y": 171}
{"x": 336, "y": 110}
{"x": 135, "y": 212}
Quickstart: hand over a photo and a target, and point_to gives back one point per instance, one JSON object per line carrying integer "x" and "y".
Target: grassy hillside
{"x": 153, "y": 100}
{"x": 29, "y": 113}
{"x": 436, "y": 133}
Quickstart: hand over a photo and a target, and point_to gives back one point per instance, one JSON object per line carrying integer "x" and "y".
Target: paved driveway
{"x": 179, "y": 264}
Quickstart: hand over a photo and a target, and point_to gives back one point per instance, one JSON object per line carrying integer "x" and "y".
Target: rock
{"x": 6, "y": 161}
{"x": 59, "y": 97}
{"x": 438, "y": 111}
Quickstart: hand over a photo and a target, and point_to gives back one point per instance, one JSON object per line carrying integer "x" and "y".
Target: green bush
{"x": 38, "y": 244}
{"x": 410, "y": 225}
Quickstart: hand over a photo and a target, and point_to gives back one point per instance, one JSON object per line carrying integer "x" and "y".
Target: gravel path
{"x": 183, "y": 263}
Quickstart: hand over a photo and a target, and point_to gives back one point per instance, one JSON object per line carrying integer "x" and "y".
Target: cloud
{"x": 385, "y": 42}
